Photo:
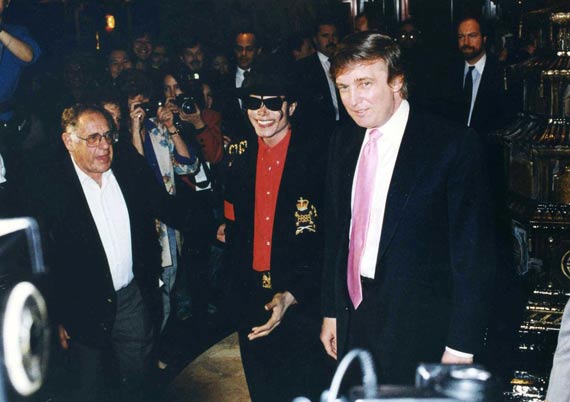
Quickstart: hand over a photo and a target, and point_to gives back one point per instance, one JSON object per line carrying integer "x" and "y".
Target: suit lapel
{"x": 409, "y": 164}
{"x": 348, "y": 157}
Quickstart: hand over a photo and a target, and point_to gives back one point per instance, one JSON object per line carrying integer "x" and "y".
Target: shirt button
{"x": 269, "y": 168}
{"x": 268, "y": 243}
{"x": 267, "y": 218}
{"x": 268, "y": 193}
{"x": 109, "y": 300}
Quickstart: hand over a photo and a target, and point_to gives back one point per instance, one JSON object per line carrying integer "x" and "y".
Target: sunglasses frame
{"x": 269, "y": 103}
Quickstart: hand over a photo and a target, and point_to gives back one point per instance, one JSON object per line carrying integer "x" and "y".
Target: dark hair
{"x": 141, "y": 32}
{"x": 117, "y": 49}
{"x": 324, "y": 20}
{"x": 295, "y": 41}
{"x": 134, "y": 82}
{"x": 70, "y": 116}
{"x": 365, "y": 47}
{"x": 188, "y": 42}
{"x": 482, "y": 25}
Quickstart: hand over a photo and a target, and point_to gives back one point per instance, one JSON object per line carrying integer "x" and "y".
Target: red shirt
{"x": 270, "y": 163}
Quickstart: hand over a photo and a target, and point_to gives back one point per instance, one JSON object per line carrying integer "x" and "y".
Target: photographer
{"x": 159, "y": 141}
{"x": 190, "y": 101}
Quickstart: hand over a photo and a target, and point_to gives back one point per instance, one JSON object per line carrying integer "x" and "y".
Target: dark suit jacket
{"x": 491, "y": 110}
{"x": 435, "y": 261}
{"x": 84, "y": 300}
{"x": 295, "y": 257}
{"x": 315, "y": 103}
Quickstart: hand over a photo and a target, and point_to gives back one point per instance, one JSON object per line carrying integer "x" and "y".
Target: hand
{"x": 450, "y": 358}
{"x": 137, "y": 115}
{"x": 193, "y": 118}
{"x": 221, "y": 233}
{"x": 165, "y": 116}
{"x": 279, "y": 304}
{"x": 63, "y": 337}
{"x": 328, "y": 336}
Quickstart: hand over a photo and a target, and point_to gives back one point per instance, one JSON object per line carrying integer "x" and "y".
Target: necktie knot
{"x": 374, "y": 134}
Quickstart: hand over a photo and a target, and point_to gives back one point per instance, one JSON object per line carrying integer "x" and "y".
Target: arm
{"x": 25, "y": 49}
{"x": 138, "y": 132}
{"x": 472, "y": 246}
{"x": 183, "y": 162}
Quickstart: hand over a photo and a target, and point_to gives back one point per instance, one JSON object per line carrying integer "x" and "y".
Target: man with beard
{"x": 320, "y": 98}
{"x": 477, "y": 98}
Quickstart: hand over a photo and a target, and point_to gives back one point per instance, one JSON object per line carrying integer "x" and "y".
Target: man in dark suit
{"x": 408, "y": 242}
{"x": 320, "y": 102}
{"x": 96, "y": 210}
{"x": 272, "y": 208}
{"x": 476, "y": 86}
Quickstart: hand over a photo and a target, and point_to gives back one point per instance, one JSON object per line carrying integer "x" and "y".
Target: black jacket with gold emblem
{"x": 297, "y": 240}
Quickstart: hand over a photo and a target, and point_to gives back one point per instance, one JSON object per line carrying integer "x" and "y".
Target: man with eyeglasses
{"x": 97, "y": 210}
{"x": 273, "y": 230}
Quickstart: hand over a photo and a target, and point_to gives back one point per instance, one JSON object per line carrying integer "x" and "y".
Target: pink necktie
{"x": 361, "y": 214}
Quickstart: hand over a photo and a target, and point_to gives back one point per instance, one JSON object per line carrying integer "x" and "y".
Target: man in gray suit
{"x": 559, "y": 385}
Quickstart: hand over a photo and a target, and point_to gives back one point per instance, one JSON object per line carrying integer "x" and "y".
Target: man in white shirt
{"x": 96, "y": 211}
{"x": 409, "y": 251}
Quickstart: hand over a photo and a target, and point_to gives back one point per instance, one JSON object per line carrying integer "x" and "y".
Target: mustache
{"x": 465, "y": 47}
{"x": 331, "y": 45}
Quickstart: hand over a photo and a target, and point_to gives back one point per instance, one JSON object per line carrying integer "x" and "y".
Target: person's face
{"x": 118, "y": 61}
{"x": 93, "y": 161}
{"x": 208, "y": 96}
{"x": 306, "y": 50}
{"x": 408, "y": 36}
{"x": 470, "y": 40}
{"x": 171, "y": 88}
{"x": 193, "y": 58}
{"x": 271, "y": 126}
{"x": 366, "y": 94}
{"x": 115, "y": 111}
{"x": 142, "y": 47}
{"x": 361, "y": 24}
{"x": 159, "y": 56}
{"x": 326, "y": 39}
{"x": 245, "y": 50}
{"x": 220, "y": 64}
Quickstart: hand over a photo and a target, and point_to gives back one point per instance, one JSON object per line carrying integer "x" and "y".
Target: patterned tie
{"x": 361, "y": 215}
{"x": 468, "y": 92}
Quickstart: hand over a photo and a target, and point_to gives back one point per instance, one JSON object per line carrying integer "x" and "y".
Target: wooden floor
{"x": 215, "y": 376}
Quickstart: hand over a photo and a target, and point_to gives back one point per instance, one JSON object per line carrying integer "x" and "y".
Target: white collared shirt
{"x": 111, "y": 216}
{"x": 239, "y": 81}
{"x": 327, "y": 66}
{"x": 476, "y": 74}
{"x": 388, "y": 146}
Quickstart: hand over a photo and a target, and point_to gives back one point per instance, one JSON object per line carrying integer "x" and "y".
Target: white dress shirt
{"x": 476, "y": 74}
{"x": 111, "y": 216}
{"x": 327, "y": 66}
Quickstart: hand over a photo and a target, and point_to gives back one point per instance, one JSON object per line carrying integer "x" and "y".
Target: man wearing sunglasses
{"x": 97, "y": 210}
{"x": 272, "y": 210}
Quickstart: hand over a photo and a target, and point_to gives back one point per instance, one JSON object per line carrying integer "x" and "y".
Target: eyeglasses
{"x": 93, "y": 140}
{"x": 274, "y": 104}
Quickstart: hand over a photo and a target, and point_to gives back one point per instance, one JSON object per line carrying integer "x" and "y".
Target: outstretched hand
{"x": 278, "y": 305}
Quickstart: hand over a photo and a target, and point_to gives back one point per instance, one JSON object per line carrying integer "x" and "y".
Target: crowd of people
{"x": 347, "y": 203}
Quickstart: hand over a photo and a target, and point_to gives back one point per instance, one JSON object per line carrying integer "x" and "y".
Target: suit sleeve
{"x": 472, "y": 245}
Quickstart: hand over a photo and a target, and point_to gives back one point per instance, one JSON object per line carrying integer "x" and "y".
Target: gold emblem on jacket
{"x": 305, "y": 215}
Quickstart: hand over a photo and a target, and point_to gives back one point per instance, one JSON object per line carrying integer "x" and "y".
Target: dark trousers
{"x": 116, "y": 373}
{"x": 290, "y": 361}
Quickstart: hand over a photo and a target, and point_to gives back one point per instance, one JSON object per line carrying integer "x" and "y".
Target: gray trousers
{"x": 117, "y": 373}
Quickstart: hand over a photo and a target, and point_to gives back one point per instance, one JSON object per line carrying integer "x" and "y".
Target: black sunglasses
{"x": 274, "y": 104}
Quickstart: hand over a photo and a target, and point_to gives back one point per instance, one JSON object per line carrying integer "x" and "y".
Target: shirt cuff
{"x": 458, "y": 353}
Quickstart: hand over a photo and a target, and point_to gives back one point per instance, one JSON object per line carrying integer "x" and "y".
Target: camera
{"x": 151, "y": 108}
{"x": 186, "y": 103}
